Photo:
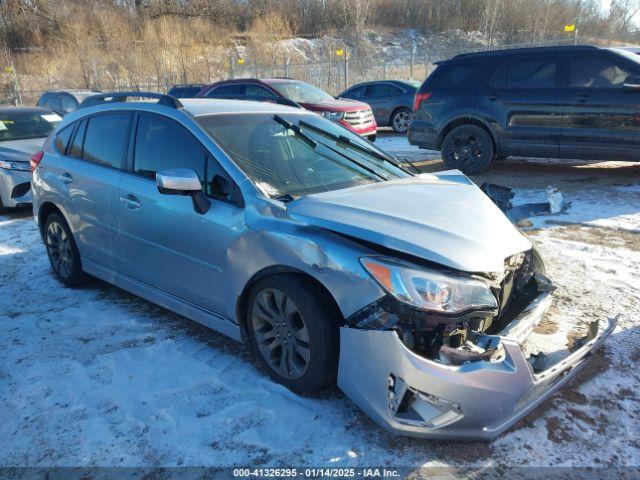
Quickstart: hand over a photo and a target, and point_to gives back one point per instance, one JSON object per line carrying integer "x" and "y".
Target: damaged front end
{"x": 450, "y": 371}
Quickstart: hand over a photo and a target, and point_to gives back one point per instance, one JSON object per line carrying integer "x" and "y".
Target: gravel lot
{"x": 95, "y": 376}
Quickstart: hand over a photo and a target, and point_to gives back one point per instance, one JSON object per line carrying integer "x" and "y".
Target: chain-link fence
{"x": 333, "y": 76}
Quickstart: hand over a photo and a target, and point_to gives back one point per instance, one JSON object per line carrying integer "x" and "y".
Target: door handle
{"x": 130, "y": 201}
{"x": 582, "y": 97}
{"x": 65, "y": 178}
{"x": 492, "y": 97}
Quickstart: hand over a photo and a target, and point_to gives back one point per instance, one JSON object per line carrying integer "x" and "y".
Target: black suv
{"x": 557, "y": 102}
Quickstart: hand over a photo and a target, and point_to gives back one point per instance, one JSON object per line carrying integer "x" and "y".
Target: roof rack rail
{"x": 532, "y": 49}
{"x": 113, "y": 97}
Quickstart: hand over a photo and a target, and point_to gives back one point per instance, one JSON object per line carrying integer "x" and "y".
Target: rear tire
{"x": 469, "y": 148}
{"x": 62, "y": 251}
{"x": 400, "y": 120}
{"x": 293, "y": 331}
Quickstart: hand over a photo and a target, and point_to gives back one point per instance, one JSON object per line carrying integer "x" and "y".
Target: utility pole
{"x": 346, "y": 67}
{"x": 16, "y": 86}
{"x": 413, "y": 55}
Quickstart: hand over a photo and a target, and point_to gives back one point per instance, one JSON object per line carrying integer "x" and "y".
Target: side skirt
{"x": 165, "y": 300}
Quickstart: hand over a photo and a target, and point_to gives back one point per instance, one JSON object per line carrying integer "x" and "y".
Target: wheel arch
{"x": 241, "y": 302}
{"x": 469, "y": 120}
{"x": 395, "y": 110}
{"x": 46, "y": 209}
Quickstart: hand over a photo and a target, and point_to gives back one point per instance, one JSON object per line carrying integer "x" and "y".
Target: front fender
{"x": 331, "y": 259}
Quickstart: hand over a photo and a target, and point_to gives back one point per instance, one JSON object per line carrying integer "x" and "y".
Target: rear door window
{"x": 382, "y": 90}
{"x": 162, "y": 143}
{"x": 532, "y": 73}
{"x": 253, "y": 90}
{"x": 106, "y": 139}
{"x": 232, "y": 90}
{"x": 595, "y": 71}
{"x": 357, "y": 92}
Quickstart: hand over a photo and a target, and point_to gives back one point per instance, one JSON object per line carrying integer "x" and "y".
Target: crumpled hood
{"x": 20, "y": 150}
{"x": 444, "y": 218}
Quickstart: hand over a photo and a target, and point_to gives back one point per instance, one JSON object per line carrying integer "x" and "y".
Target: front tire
{"x": 400, "y": 120}
{"x": 62, "y": 251}
{"x": 469, "y": 148}
{"x": 293, "y": 332}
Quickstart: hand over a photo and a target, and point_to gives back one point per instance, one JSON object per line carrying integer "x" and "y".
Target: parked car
{"x": 64, "y": 101}
{"x": 352, "y": 114}
{"x": 558, "y": 102}
{"x": 390, "y": 100}
{"x": 23, "y": 131}
{"x": 189, "y": 90}
{"x": 277, "y": 227}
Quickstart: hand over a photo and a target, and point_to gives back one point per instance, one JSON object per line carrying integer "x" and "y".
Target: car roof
{"x": 187, "y": 85}
{"x": 390, "y": 80}
{"x": 210, "y": 106}
{"x": 280, "y": 80}
{"x": 24, "y": 110}
{"x": 521, "y": 51}
{"x": 193, "y": 106}
{"x": 72, "y": 90}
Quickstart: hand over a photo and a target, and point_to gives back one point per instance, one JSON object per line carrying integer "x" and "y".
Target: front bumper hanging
{"x": 412, "y": 395}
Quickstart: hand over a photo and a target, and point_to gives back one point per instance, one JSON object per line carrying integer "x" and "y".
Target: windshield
{"x": 23, "y": 125}
{"x": 282, "y": 162}
{"x": 301, "y": 92}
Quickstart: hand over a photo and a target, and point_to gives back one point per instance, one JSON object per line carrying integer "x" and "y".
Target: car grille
{"x": 359, "y": 119}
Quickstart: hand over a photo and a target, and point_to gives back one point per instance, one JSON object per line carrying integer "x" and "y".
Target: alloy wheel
{"x": 59, "y": 248}
{"x": 401, "y": 121}
{"x": 465, "y": 149}
{"x": 280, "y": 333}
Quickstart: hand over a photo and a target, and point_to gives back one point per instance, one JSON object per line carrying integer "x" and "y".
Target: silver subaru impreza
{"x": 278, "y": 227}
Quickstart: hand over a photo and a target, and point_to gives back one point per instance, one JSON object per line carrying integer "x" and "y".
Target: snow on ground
{"x": 393, "y": 46}
{"x": 95, "y": 376}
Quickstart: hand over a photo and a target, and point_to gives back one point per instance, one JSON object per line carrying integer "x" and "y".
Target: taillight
{"x": 35, "y": 160}
{"x": 418, "y": 99}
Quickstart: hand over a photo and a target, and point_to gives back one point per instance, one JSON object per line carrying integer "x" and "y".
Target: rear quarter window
{"x": 62, "y": 139}
{"x": 453, "y": 76}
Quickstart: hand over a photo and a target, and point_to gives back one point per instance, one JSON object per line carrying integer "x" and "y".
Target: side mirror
{"x": 183, "y": 181}
{"x": 632, "y": 81}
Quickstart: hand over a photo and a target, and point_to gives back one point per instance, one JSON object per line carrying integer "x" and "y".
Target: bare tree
{"x": 622, "y": 14}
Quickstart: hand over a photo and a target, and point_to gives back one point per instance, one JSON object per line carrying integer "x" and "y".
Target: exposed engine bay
{"x": 467, "y": 337}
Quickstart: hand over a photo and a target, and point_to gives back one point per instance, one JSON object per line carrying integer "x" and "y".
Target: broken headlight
{"x": 429, "y": 289}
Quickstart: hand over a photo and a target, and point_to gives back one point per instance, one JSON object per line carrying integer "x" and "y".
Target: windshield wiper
{"x": 297, "y": 130}
{"x": 351, "y": 143}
